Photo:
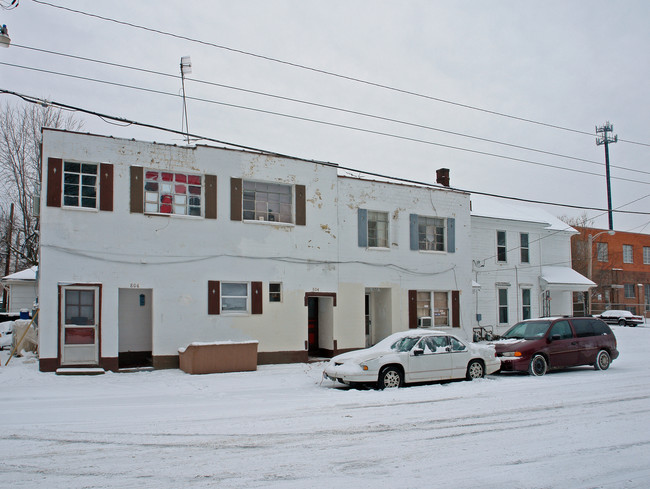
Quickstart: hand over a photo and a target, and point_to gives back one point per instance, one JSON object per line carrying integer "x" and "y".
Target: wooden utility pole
{"x": 606, "y": 139}
{"x": 10, "y": 231}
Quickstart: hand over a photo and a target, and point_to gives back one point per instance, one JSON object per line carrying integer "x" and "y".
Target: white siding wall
{"x": 546, "y": 247}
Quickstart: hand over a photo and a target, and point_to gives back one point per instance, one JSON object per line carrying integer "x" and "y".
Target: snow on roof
{"x": 565, "y": 276}
{"x": 484, "y": 206}
{"x": 23, "y": 275}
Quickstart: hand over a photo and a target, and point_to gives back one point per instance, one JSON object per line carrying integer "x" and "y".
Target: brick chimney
{"x": 442, "y": 176}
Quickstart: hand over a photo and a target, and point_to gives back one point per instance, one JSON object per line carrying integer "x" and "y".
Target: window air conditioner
{"x": 425, "y": 322}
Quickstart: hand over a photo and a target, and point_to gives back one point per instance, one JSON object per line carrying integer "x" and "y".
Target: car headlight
{"x": 511, "y": 354}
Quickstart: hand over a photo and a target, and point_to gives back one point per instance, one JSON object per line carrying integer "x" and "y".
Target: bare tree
{"x": 20, "y": 174}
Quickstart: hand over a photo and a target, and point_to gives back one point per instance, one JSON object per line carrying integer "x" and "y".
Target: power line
{"x": 332, "y": 124}
{"x": 36, "y": 100}
{"x": 330, "y": 107}
{"x": 325, "y": 72}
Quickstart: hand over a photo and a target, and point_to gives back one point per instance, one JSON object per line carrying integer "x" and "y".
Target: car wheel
{"x": 390, "y": 377}
{"x": 602, "y": 360}
{"x": 538, "y": 366}
{"x": 621, "y": 322}
{"x": 475, "y": 370}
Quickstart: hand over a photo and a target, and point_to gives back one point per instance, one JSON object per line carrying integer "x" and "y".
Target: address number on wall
{"x": 134, "y": 286}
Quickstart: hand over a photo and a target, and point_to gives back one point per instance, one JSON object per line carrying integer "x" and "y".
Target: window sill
{"x": 182, "y": 216}
{"x": 82, "y": 209}
{"x": 377, "y": 248}
{"x": 433, "y": 252}
{"x": 269, "y": 223}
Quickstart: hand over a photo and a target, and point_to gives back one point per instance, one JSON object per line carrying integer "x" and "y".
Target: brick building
{"x": 620, "y": 266}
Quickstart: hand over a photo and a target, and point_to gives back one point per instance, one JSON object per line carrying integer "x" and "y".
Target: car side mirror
{"x": 418, "y": 352}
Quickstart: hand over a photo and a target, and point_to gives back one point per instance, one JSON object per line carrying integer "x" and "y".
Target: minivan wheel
{"x": 602, "y": 360}
{"x": 390, "y": 377}
{"x": 538, "y": 366}
{"x": 475, "y": 370}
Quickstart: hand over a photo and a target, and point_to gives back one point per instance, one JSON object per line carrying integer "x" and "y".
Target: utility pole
{"x": 10, "y": 231}
{"x": 606, "y": 139}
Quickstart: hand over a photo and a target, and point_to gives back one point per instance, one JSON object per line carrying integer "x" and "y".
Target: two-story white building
{"x": 521, "y": 264}
{"x": 147, "y": 247}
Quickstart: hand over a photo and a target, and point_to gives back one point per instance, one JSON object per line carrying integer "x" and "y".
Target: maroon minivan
{"x": 537, "y": 345}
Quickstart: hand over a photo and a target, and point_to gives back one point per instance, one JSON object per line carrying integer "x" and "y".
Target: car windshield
{"x": 527, "y": 330}
{"x": 405, "y": 344}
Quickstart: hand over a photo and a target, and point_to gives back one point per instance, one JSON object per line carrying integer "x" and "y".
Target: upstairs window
{"x": 172, "y": 193}
{"x": 377, "y": 229}
{"x": 501, "y": 247}
{"x": 523, "y": 247}
{"x": 80, "y": 185}
{"x": 431, "y": 233}
{"x": 271, "y": 202}
{"x": 602, "y": 252}
{"x": 628, "y": 254}
{"x": 646, "y": 255}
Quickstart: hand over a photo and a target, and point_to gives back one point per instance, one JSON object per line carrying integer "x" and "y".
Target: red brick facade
{"x": 620, "y": 265}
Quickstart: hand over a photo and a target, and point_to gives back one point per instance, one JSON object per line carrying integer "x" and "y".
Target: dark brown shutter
{"x": 106, "y": 187}
{"x": 214, "y": 297}
{"x": 54, "y": 179}
{"x": 210, "y": 196}
{"x": 137, "y": 189}
{"x": 413, "y": 308}
{"x": 301, "y": 207}
{"x": 235, "y": 199}
{"x": 455, "y": 308}
{"x": 256, "y": 297}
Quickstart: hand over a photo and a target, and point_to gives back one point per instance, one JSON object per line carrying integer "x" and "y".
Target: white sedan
{"x": 418, "y": 355}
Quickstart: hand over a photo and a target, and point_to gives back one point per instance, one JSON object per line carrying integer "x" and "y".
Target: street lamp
{"x": 591, "y": 261}
{"x": 4, "y": 36}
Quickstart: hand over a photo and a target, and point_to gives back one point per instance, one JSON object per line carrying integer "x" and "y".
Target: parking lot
{"x": 282, "y": 426}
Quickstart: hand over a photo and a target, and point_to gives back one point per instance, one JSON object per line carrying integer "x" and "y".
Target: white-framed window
{"x": 433, "y": 304}
{"x": 377, "y": 229}
{"x": 234, "y": 297}
{"x": 525, "y": 304}
{"x": 431, "y": 233}
{"x": 629, "y": 291}
{"x": 647, "y": 297}
{"x": 502, "y": 252}
{"x": 263, "y": 201}
{"x": 524, "y": 247}
{"x": 646, "y": 255}
{"x": 80, "y": 184}
{"x": 502, "y": 297}
{"x": 602, "y": 252}
{"x": 275, "y": 292}
{"x": 172, "y": 193}
{"x": 628, "y": 254}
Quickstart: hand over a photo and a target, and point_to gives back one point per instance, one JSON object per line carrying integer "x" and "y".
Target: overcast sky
{"x": 569, "y": 64}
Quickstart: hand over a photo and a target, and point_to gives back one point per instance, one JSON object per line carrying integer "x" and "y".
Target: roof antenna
{"x": 186, "y": 69}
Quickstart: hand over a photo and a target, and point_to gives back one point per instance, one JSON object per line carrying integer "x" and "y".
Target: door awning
{"x": 564, "y": 278}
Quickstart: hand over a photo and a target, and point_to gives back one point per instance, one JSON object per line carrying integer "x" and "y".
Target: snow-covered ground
{"x": 280, "y": 427}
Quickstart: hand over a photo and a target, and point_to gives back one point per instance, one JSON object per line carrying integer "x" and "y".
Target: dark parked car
{"x": 620, "y": 317}
{"x": 537, "y": 345}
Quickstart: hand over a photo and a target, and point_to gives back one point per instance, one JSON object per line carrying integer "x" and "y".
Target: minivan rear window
{"x": 590, "y": 327}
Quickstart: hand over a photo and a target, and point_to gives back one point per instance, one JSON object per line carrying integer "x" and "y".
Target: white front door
{"x": 80, "y": 325}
